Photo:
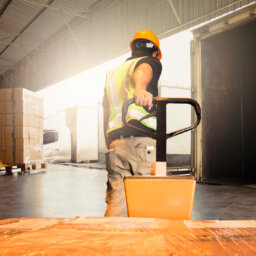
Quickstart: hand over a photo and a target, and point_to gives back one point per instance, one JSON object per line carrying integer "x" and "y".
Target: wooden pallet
{"x": 25, "y": 167}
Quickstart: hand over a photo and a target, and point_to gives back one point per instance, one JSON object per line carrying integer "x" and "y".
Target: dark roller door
{"x": 228, "y": 104}
{"x": 249, "y": 100}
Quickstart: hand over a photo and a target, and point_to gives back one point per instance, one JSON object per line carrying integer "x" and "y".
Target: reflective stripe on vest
{"x": 120, "y": 87}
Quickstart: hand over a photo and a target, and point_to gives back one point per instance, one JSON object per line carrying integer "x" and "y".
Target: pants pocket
{"x": 150, "y": 154}
{"x": 109, "y": 159}
{"x": 145, "y": 156}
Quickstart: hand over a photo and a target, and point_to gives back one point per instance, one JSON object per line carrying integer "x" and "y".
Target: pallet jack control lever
{"x": 160, "y": 135}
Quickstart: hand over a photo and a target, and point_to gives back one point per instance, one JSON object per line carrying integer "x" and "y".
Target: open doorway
{"x": 229, "y": 105}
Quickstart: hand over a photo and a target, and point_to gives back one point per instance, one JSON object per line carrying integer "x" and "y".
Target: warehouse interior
{"x": 54, "y": 56}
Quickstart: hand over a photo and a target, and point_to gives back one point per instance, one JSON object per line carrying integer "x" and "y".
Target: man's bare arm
{"x": 142, "y": 77}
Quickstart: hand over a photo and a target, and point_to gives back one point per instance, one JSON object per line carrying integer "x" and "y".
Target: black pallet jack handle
{"x": 161, "y": 136}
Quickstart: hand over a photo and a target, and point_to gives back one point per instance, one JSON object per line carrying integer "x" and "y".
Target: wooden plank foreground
{"x": 126, "y": 236}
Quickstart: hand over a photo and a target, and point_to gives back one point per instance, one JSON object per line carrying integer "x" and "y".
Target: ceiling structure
{"x": 46, "y": 41}
{"x": 26, "y": 24}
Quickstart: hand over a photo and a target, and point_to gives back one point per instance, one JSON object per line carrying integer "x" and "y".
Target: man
{"x": 130, "y": 152}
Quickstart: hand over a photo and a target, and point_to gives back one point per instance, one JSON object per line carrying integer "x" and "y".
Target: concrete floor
{"x": 68, "y": 191}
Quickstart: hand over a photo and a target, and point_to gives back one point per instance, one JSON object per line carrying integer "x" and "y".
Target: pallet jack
{"x": 159, "y": 195}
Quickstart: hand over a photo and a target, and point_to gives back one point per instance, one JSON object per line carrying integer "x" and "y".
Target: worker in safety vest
{"x": 130, "y": 152}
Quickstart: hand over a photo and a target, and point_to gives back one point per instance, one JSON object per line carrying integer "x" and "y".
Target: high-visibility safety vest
{"x": 119, "y": 88}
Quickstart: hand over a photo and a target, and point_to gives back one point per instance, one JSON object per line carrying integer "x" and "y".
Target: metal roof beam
{"x": 72, "y": 13}
{"x": 7, "y": 61}
{"x": 20, "y": 33}
{"x": 4, "y": 42}
{"x": 5, "y": 38}
{"x": 199, "y": 19}
{"x": 13, "y": 33}
{"x": 6, "y": 4}
{"x": 175, "y": 11}
{"x": 7, "y": 80}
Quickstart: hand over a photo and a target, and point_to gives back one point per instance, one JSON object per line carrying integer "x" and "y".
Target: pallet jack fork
{"x": 159, "y": 195}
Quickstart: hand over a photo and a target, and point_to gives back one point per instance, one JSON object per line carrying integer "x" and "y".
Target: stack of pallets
{"x": 21, "y": 127}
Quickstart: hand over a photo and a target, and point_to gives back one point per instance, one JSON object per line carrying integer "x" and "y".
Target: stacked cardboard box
{"x": 21, "y": 126}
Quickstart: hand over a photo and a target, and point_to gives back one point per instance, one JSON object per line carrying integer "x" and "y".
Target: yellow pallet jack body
{"x": 169, "y": 197}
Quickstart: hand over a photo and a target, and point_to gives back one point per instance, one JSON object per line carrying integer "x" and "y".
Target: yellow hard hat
{"x": 148, "y": 35}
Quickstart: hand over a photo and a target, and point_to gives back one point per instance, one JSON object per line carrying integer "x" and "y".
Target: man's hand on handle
{"x": 143, "y": 98}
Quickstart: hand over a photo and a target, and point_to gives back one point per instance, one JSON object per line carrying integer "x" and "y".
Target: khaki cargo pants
{"x": 126, "y": 157}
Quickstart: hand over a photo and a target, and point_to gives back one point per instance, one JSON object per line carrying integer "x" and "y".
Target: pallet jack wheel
{"x": 8, "y": 170}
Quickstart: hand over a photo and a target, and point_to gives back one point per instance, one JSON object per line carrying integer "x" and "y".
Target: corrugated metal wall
{"x": 84, "y": 43}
